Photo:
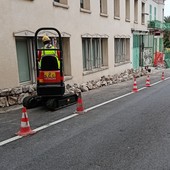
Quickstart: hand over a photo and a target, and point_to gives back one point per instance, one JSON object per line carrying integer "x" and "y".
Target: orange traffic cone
{"x": 25, "y": 126}
{"x": 80, "y": 108}
{"x": 163, "y": 77}
{"x": 135, "y": 88}
{"x": 148, "y": 82}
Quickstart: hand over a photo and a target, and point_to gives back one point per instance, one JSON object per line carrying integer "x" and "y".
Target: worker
{"x": 47, "y": 45}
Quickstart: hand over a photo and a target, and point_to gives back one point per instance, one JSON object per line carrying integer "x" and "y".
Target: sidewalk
{"x": 17, "y": 107}
{"x": 10, "y": 108}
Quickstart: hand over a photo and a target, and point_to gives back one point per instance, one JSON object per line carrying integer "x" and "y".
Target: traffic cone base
{"x": 135, "y": 90}
{"x": 25, "y": 132}
{"x": 25, "y": 128}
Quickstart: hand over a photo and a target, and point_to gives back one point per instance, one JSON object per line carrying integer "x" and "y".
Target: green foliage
{"x": 167, "y": 19}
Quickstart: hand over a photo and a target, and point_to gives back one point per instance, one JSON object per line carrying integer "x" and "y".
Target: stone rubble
{"x": 15, "y": 96}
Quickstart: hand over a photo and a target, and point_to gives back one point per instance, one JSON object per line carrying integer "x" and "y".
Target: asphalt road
{"x": 130, "y": 133}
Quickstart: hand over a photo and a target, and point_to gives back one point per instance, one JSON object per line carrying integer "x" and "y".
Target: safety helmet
{"x": 45, "y": 38}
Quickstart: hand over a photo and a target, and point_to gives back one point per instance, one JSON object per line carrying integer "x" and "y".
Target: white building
{"x": 97, "y": 36}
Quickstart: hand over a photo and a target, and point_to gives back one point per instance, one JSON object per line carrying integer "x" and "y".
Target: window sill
{"x": 94, "y": 70}
{"x": 85, "y": 10}
{"x": 121, "y": 63}
{"x": 127, "y": 20}
{"x": 66, "y": 78}
{"x": 116, "y": 17}
{"x": 103, "y": 15}
{"x": 57, "y": 4}
{"x": 136, "y": 22}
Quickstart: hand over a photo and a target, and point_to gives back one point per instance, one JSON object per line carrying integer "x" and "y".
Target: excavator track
{"x": 52, "y": 103}
{"x": 32, "y": 101}
{"x": 64, "y": 101}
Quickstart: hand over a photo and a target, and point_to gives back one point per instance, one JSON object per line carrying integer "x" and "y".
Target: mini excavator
{"x": 50, "y": 78}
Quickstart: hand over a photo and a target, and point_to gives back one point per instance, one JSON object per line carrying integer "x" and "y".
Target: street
{"x": 120, "y": 130}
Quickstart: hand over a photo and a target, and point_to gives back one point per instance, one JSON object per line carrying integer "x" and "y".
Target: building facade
{"x": 100, "y": 37}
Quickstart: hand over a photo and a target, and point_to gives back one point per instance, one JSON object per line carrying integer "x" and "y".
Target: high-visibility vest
{"x": 50, "y": 52}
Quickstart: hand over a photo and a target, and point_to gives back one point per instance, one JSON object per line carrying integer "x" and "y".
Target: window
{"x": 148, "y": 40}
{"x": 150, "y": 10}
{"x": 154, "y": 13}
{"x": 136, "y": 11}
{"x": 23, "y": 46}
{"x": 162, "y": 14}
{"x": 85, "y": 4}
{"x": 122, "y": 50}
{"x": 94, "y": 50}
{"x": 116, "y": 8}
{"x": 61, "y": 1}
{"x": 127, "y": 10}
{"x": 66, "y": 56}
{"x": 26, "y": 57}
{"x": 143, "y": 13}
{"x": 103, "y": 6}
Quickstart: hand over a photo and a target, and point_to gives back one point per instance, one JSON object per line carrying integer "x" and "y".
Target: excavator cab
{"x": 50, "y": 77}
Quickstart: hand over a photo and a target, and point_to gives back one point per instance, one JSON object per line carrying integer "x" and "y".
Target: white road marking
{"x": 38, "y": 129}
{"x": 55, "y": 122}
{"x": 10, "y": 140}
{"x": 75, "y": 114}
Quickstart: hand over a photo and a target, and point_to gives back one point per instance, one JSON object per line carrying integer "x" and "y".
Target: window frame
{"x": 93, "y": 52}
{"x": 61, "y": 3}
{"x": 103, "y": 8}
{"x": 150, "y": 12}
{"x": 136, "y": 2}
{"x": 155, "y": 11}
{"x": 127, "y": 17}
{"x": 85, "y": 6}
{"x": 143, "y": 13}
{"x": 117, "y": 9}
{"x": 122, "y": 50}
{"x": 30, "y": 59}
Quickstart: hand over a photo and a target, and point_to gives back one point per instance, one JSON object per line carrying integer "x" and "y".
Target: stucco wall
{"x": 30, "y": 15}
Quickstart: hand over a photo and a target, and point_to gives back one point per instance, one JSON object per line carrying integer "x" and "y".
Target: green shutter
{"x": 136, "y": 51}
{"x": 160, "y": 44}
{"x": 23, "y": 60}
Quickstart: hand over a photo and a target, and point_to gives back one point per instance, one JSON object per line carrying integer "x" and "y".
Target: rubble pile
{"x": 15, "y": 96}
